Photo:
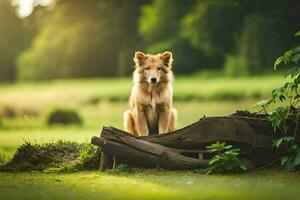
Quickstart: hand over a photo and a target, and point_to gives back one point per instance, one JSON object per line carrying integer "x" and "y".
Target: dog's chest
{"x": 151, "y": 113}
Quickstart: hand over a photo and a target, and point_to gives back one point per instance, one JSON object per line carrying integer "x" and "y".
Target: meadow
{"x": 101, "y": 102}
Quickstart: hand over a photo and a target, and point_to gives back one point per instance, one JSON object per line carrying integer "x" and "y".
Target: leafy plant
{"x": 123, "y": 168}
{"x": 282, "y": 115}
{"x": 226, "y": 159}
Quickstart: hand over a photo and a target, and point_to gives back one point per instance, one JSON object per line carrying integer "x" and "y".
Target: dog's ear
{"x": 139, "y": 58}
{"x": 167, "y": 58}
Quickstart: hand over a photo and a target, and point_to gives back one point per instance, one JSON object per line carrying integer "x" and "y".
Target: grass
{"x": 149, "y": 184}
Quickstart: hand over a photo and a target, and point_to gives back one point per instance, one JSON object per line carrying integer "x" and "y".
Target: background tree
{"x": 159, "y": 26}
{"x": 10, "y": 40}
{"x": 212, "y": 26}
{"x": 81, "y": 40}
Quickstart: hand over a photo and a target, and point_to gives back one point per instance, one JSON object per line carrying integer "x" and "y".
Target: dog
{"x": 151, "y": 100}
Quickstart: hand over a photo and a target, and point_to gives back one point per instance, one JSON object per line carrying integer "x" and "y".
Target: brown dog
{"x": 151, "y": 101}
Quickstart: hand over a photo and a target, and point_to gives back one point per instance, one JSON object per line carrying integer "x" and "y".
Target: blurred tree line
{"x": 99, "y": 37}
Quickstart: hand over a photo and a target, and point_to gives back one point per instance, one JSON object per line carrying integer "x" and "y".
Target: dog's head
{"x": 153, "y": 68}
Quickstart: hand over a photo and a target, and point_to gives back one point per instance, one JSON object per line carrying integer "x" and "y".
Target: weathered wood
{"x": 186, "y": 148}
{"x": 145, "y": 154}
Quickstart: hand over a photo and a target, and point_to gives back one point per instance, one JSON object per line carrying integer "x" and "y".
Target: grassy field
{"x": 102, "y": 102}
{"x": 149, "y": 184}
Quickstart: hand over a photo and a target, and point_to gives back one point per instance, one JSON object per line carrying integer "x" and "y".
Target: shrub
{"x": 8, "y": 112}
{"x": 64, "y": 117}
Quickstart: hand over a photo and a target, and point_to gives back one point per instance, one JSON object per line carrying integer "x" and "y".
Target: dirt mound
{"x": 246, "y": 113}
{"x": 54, "y": 157}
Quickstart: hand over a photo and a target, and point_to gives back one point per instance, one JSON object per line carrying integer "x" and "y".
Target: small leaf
{"x": 297, "y": 33}
{"x": 297, "y": 160}
{"x": 277, "y": 62}
{"x": 284, "y": 159}
{"x": 243, "y": 167}
{"x": 277, "y": 143}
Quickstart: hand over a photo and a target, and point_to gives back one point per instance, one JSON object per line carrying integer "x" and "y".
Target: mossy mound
{"x": 64, "y": 117}
{"x": 54, "y": 157}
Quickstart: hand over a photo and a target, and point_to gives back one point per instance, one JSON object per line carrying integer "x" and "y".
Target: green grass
{"x": 150, "y": 184}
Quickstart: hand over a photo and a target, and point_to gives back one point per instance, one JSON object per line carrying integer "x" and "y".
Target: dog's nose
{"x": 153, "y": 80}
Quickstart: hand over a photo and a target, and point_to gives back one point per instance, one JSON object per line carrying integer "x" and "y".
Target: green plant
{"x": 64, "y": 116}
{"x": 123, "y": 168}
{"x": 282, "y": 116}
{"x": 89, "y": 156}
{"x": 226, "y": 159}
{"x": 61, "y": 168}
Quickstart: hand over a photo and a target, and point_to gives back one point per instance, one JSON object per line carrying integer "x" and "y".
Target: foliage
{"x": 281, "y": 116}
{"x": 159, "y": 26}
{"x": 64, "y": 117}
{"x": 72, "y": 50}
{"x": 203, "y": 29}
{"x": 123, "y": 168}
{"x": 89, "y": 156}
{"x": 259, "y": 41}
{"x": 226, "y": 159}
{"x": 10, "y": 40}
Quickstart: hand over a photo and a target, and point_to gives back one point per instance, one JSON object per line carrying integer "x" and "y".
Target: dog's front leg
{"x": 163, "y": 119}
{"x": 141, "y": 122}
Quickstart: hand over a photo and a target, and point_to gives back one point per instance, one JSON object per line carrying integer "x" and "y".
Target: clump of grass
{"x": 61, "y": 168}
{"x": 64, "y": 117}
{"x": 2, "y": 159}
{"x": 54, "y": 157}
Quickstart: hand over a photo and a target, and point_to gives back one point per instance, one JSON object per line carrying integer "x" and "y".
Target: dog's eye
{"x": 159, "y": 68}
{"x": 147, "y": 68}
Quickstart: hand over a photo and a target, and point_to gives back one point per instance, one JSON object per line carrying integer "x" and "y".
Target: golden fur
{"x": 151, "y": 101}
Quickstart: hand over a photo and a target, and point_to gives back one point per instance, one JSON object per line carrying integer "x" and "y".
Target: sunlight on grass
{"x": 150, "y": 184}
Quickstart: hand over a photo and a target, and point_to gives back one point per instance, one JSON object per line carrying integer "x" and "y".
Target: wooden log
{"x": 141, "y": 153}
{"x": 186, "y": 148}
